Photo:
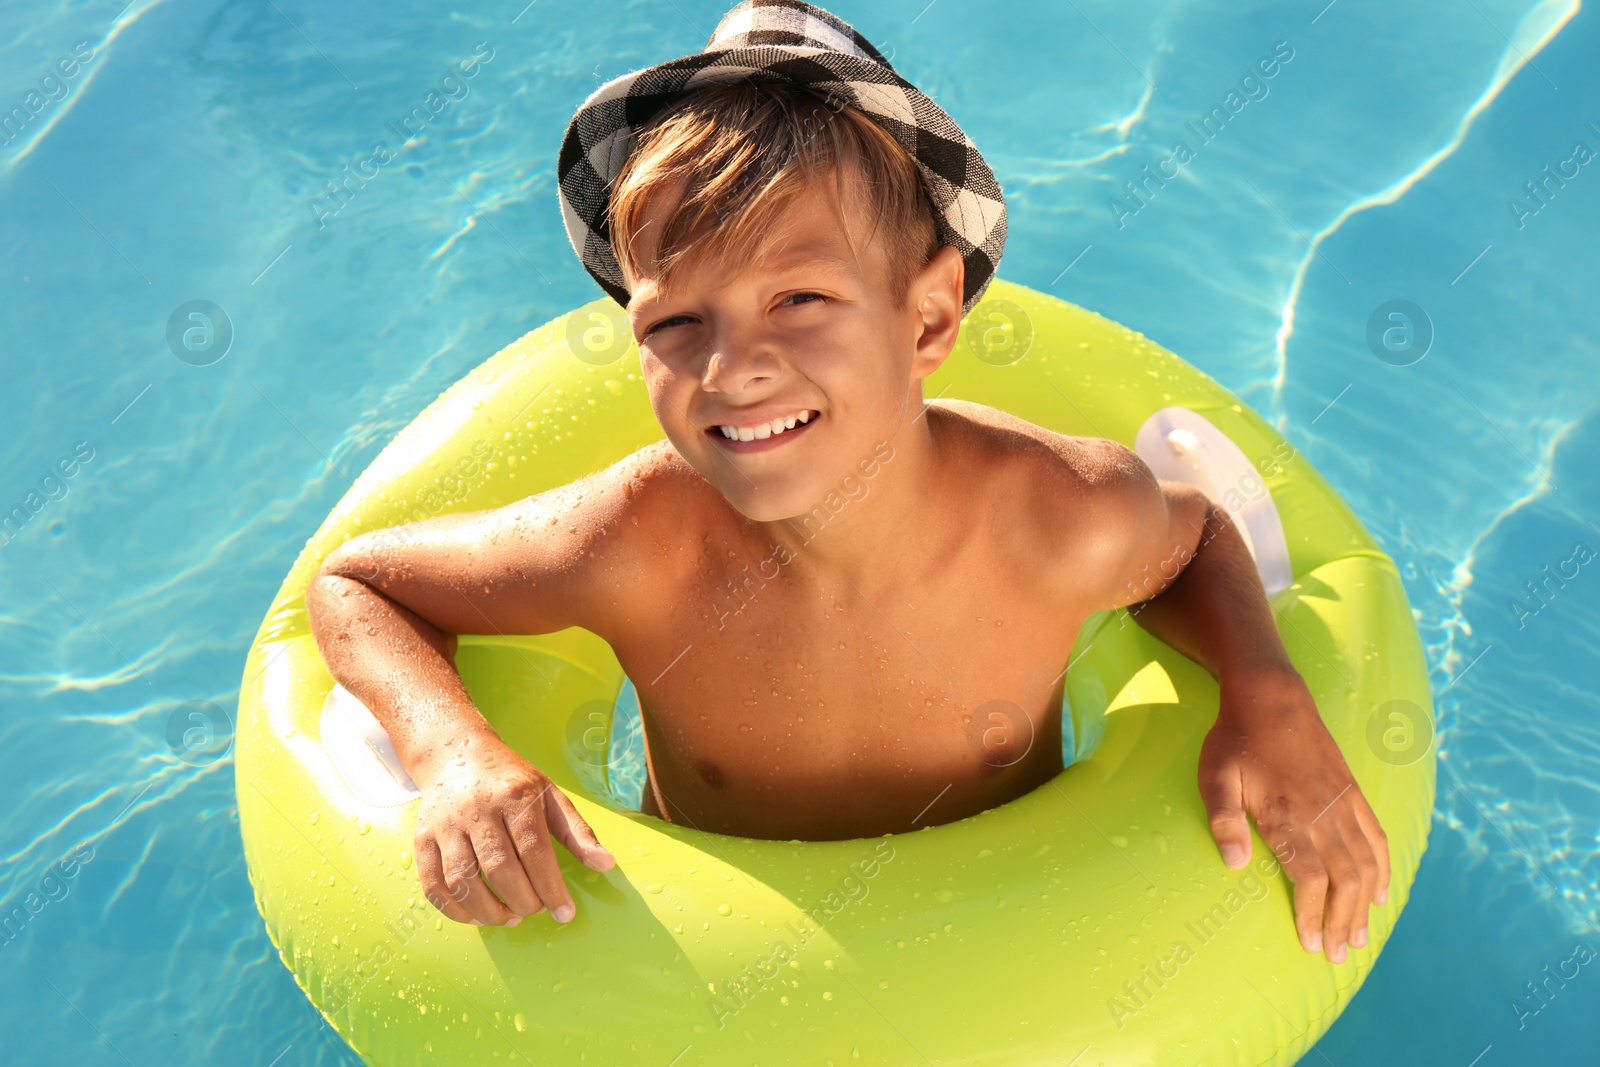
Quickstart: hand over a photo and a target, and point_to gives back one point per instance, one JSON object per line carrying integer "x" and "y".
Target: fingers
{"x": 1344, "y": 893}
{"x": 1223, "y": 793}
{"x": 502, "y": 867}
{"x": 1378, "y": 841}
{"x": 1310, "y": 878}
{"x": 484, "y": 849}
{"x": 532, "y": 835}
{"x": 1337, "y": 868}
{"x": 572, "y": 831}
{"x": 430, "y": 870}
{"x": 1366, "y": 863}
{"x": 463, "y": 884}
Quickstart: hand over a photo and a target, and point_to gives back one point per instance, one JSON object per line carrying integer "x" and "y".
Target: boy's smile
{"x": 762, "y": 434}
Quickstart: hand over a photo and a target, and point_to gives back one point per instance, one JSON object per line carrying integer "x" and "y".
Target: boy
{"x": 796, "y": 251}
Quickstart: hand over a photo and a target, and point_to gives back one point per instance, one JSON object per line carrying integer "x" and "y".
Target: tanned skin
{"x": 834, "y": 698}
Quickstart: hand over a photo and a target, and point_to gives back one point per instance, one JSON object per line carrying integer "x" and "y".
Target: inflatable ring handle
{"x": 1182, "y": 445}
{"x": 360, "y": 750}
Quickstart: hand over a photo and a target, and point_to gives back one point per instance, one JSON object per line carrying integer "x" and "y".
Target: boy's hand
{"x": 491, "y": 811}
{"x": 1270, "y": 754}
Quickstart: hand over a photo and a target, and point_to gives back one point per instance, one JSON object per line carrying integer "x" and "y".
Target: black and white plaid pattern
{"x": 799, "y": 42}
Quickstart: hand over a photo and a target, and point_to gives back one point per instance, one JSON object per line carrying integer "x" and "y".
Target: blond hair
{"x": 745, "y": 151}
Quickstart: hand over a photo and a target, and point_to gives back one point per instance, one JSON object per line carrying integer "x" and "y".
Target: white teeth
{"x": 766, "y": 430}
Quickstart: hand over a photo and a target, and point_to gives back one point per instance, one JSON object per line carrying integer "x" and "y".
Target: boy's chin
{"x": 771, "y": 506}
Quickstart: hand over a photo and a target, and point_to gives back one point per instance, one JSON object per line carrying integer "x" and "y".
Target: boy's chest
{"x": 775, "y": 710}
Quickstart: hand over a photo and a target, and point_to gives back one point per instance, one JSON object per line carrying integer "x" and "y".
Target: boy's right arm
{"x": 385, "y": 608}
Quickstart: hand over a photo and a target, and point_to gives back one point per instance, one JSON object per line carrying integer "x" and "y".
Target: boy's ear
{"x": 936, "y": 297}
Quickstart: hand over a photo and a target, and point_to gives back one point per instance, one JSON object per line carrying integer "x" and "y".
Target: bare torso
{"x": 777, "y": 706}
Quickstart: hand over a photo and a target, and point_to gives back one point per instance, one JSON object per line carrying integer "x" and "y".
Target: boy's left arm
{"x": 1192, "y": 583}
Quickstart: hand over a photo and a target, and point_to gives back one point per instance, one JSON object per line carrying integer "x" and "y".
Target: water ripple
{"x": 1536, "y": 29}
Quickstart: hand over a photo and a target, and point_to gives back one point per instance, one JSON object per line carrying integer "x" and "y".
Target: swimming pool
{"x": 186, "y": 157}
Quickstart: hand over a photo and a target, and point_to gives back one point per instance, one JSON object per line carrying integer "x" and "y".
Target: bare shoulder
{"x": 596, "y": 545}
{"x": 652, "y": 500}
{"x": 1056, "y": 461}
{"x": 1075, "y": 499}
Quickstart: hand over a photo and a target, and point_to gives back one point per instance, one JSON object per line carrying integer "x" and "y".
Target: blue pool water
{"x": 185, "y": 160}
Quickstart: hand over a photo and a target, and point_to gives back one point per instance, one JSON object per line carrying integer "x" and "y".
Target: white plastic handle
{"x": 1180, "y": 445}
{"x": 360, "y": 750}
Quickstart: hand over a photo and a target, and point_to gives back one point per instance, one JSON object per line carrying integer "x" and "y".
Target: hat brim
{"x": 969, "y": 207}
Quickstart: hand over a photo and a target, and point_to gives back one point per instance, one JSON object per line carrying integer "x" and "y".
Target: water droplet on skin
{"x": 723, "y": 909}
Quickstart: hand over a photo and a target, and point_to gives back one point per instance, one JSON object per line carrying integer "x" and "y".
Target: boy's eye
{"x": 664, "y": 323}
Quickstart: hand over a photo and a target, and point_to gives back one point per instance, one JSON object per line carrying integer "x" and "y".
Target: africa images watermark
{"x": 1539, "y": 596}
{"x": 730, "y": 996}
{"x": 53, "y": 487}
{"x": 52, "y": 90}
{"x": 450, "y": 488}
{"x": 383, "y": 953}
{"x": 742, "y": 591}
{"x": 1212, "y": 122}
{"x": 53, "y": 886}
{"x": 1537, "y": 1000}
{"x": 1137, "y": 993}
{"x": 1542, "y": 192}
{"x": 453, "y": 88}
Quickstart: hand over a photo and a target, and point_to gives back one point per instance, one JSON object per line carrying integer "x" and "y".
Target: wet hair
{"x": 744, "y": 152}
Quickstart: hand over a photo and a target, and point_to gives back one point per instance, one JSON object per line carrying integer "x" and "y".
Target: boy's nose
{"x": 734, "y": 368}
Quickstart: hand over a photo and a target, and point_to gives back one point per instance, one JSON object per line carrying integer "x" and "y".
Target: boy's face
{"x": 805, "y": 328}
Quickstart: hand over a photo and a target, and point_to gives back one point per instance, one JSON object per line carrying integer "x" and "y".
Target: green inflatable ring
{"x": 1089, "y": 922}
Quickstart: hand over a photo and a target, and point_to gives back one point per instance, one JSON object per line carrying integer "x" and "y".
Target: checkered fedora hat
{"x": 782, "y": 40}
